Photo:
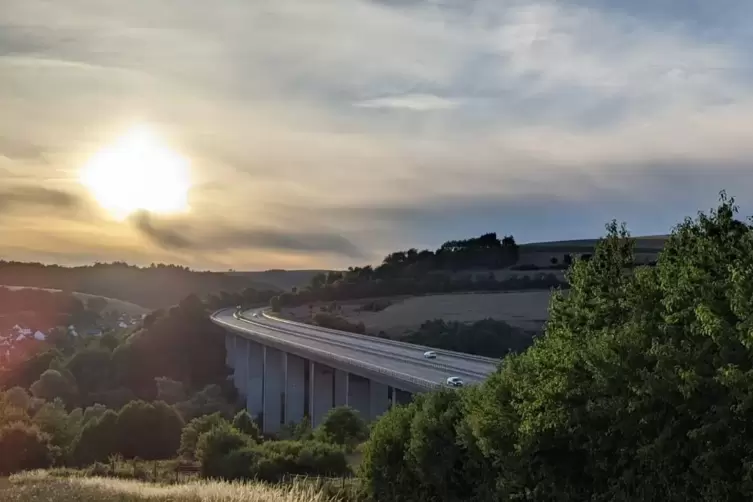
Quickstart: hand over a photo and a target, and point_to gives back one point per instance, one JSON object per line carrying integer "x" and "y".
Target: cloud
{"x": 296, "y": 111}
{"x": 21, "y": 198}
{"x": 212, "y": 236}
{"x": 413, "y": 102}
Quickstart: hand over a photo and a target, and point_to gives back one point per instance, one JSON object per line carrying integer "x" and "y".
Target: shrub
{"x": 342, "y": 426}
{"x": 99, "y": 438}
{"x": 215, "y": 445}
{"x": 194, "y": 429}
{"x": 244, "y": 423}
{"x": 23, "y": 447}
{"x": 149, "y": 431}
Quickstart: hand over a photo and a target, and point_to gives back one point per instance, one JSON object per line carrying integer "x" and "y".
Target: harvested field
{"x": 525, "y": 309}
{"x": 112, "y": 303}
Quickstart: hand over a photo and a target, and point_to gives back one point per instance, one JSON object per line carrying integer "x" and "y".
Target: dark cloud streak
{"x": 21, "y": 198}
{"x": 217, "y": 236}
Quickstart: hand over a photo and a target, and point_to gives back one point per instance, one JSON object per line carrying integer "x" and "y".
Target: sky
{"x": 327, "y": 133}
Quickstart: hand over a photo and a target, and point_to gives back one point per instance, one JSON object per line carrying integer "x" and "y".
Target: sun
{"x": 138, "y": 172}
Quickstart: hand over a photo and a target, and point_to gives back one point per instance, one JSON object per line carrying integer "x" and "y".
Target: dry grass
{"x": 41, "y": 487}
{"x": 112, "y": 303}
{"x": 525, "y": 309}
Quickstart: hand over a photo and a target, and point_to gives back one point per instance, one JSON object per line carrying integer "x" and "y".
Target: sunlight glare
{"x": 138, "y": 172}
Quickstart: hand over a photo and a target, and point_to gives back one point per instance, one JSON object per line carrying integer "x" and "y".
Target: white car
{"x": 454, "y": 382}
{"x": 430, "y": 354}
{"x": 255, "y": 314}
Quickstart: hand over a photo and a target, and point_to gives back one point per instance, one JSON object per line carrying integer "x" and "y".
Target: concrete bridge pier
{"x": 321, "y": 391}
{"x": 255, "y": 382}
{"x": 295, "y": 388}
{"x": 240, "y": 366}
{"x": 379, "y": 400}
{"x": 274, "y": 379}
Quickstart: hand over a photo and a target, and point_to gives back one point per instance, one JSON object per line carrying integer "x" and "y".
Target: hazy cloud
{"x": 20, "y": 198}
{"x": 414, "y": 102}
{"x": 368, "y": 116}
{"x": 206, "y": 236}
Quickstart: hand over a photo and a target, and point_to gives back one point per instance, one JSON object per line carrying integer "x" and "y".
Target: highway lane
{"x": 402, "y": 359}
{"x": 462, "y": 363}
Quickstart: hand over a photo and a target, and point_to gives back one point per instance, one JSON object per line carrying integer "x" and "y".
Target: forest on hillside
{"x": 459, "y": 265}
{"x": 156, "y": 286}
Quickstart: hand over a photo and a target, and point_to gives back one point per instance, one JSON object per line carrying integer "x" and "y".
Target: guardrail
{"x": 385, "y": 341}
{"x": 343, "y": 360}
{"x": 418, "y": 362}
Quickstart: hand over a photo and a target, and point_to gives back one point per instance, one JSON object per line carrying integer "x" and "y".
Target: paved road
{"x": 402, "y": 360}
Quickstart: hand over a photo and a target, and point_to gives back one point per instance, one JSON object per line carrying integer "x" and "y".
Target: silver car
{"x": 430, "y": 354}
{"x": 454, "y": 382}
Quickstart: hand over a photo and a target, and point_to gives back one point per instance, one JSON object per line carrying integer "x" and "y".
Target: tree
{"x": 61, "y": 427}
{"x": 215, "y": 445}
{"x": 23, "y": 447}
{"x": 92, "y": 369}
{"x": 275, "y": 303}
{"x": 194, "y": 429}
{"x": 384, "y": 471}
{"x": 169, "y": 390}
{"x": 642, "y": 387}
{"x": 18, "y": 397}
{"x": 150, "y": 431}
{"x": 244, "y": 423}
{"x": 343, "y": 426}
{"x": 52, "y": 385}
{"x": 98, "y": 440}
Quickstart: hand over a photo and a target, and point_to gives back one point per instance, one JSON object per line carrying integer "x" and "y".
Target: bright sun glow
{"x": 137, "y": 172}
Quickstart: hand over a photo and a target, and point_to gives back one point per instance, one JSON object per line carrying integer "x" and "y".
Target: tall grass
{"x": 41, "y": 487}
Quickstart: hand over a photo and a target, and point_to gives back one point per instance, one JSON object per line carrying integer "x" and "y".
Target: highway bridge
{"x": 289, "y": 370}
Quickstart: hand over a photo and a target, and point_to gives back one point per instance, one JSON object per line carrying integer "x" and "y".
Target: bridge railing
{"x": 394, "y": 343}
{"x": 285, "y": 345}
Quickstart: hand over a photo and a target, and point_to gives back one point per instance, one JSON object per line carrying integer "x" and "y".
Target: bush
{"x": 99, "y": 438}
{"x": 149, "y": 431}
{"x": 213, "y": 446}
{"x": 342, "y": 426}
{"x": 23, "y": 447}
{"x": 194, "y": 429}
{"x": 244, "y": 423}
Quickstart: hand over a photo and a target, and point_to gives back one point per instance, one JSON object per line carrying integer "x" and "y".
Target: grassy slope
{"x": 112, "y": 303}
{"x": 40, "y": 487}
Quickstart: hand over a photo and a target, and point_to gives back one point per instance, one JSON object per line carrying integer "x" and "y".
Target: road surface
{"x": 400, "y": 361}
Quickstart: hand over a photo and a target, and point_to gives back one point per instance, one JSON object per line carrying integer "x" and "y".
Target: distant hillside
{"x": 282, "y": 279}
{"x": 543, "y": 254}
{"x": 157, "y": 286}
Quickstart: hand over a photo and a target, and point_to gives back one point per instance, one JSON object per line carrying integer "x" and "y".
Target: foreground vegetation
{"x": 42, "y": 487}
{"x": 641, "y": 389}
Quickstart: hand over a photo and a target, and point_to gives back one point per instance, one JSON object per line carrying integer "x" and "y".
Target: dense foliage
{"x": 156, "y": 286}
{"x": 412, "y": 272}
{"x": 488, "y": 337}
{"x": 641, "y": 389}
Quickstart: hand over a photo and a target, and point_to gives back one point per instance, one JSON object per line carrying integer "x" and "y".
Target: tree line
{"x": 156, "y": 286}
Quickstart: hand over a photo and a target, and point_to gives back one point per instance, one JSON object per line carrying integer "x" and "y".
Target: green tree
{"x": 61, "y": 427}
{"x": 641, "y": 388}
{"x": 244, "y": 423}
{"x": 99, "y": 438}
{"x": 23, "y": 447}
{"x": 194, "y": 429}
{"x": 384, "y": 471}
{"x": 18, "y": 397}
{"x": 169, "y": 390}
{"x": 52, "y": 385}
{"x": 275, "y": 303}
{"x": 92, "y": 369}
{"x": 150, "y": 431}
{"x": 215, "y": 444}
{"x": 343, "y": 426}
